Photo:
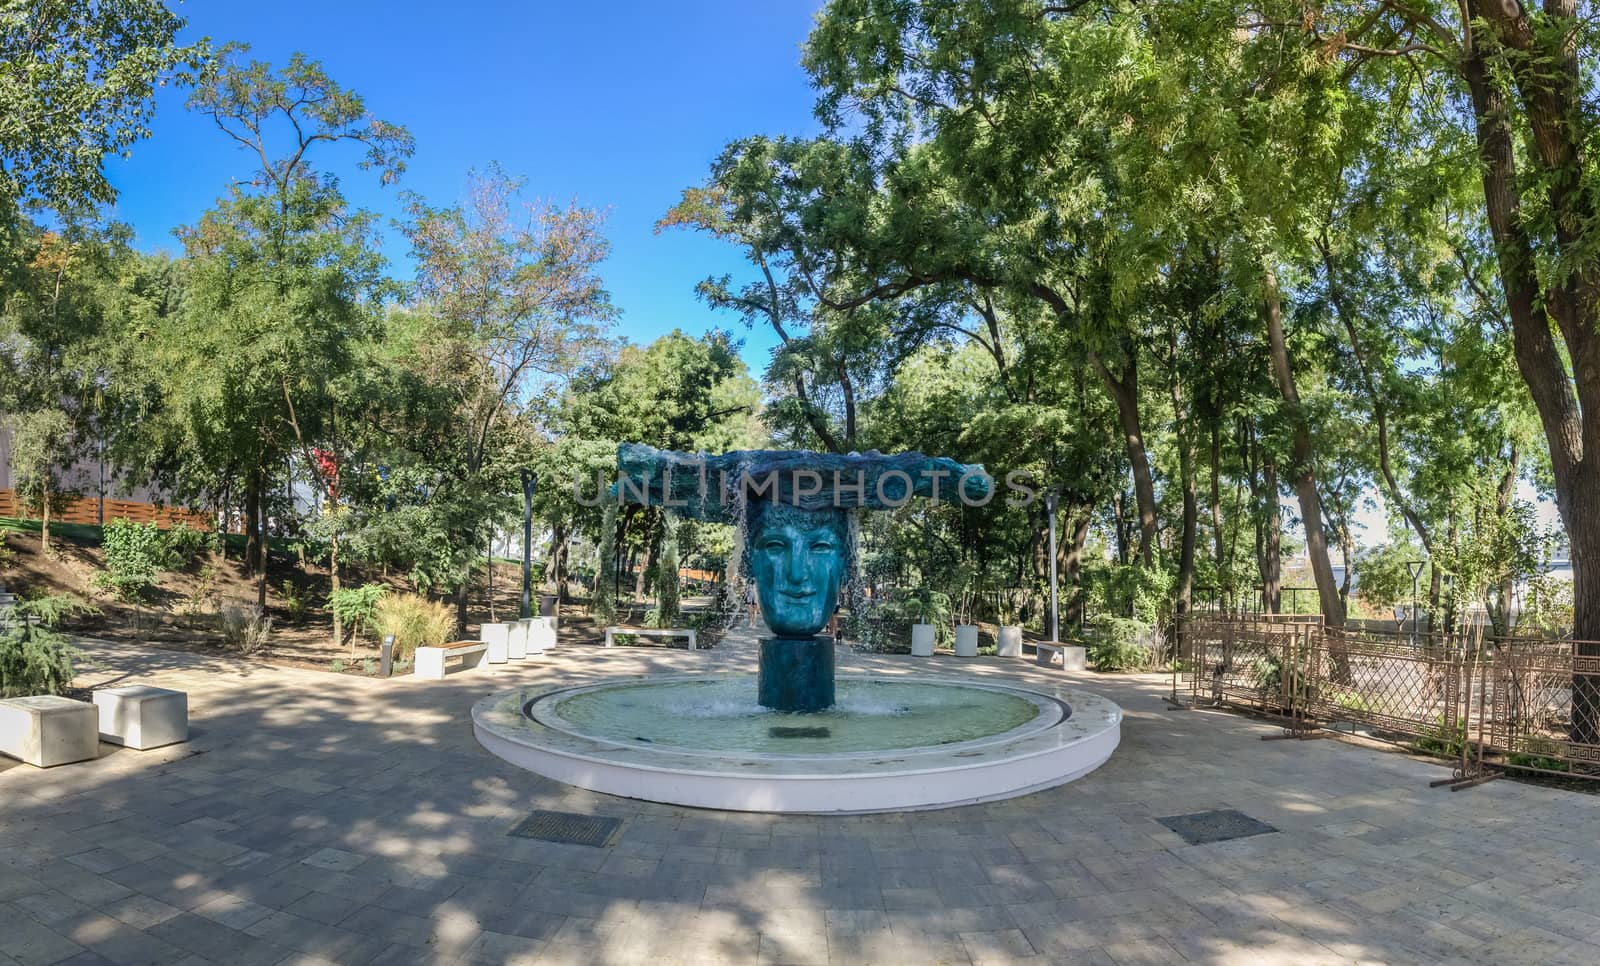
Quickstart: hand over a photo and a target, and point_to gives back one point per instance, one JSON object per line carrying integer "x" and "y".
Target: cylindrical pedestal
{"x": 966, "y": 640}
{"x": 1009, "y": 644}
{"x": 796, "y": 674}
{"x": 922, "y": 638}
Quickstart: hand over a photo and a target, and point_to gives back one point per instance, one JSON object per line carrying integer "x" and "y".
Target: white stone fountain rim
{"x": 503, "y": 728}
{"x": 1050, "y": 712}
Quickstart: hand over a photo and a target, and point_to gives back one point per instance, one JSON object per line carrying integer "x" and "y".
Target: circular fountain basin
{"x": 888, "y": 744}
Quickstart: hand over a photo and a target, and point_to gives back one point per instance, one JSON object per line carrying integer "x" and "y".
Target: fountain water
{"x": 806, "y": 743}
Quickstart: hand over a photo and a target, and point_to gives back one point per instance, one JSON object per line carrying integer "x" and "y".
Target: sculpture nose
{"x": 794, "y": 567}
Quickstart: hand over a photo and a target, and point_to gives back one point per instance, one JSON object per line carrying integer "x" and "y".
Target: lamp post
{"x": 1414, "y": 567}
{"x": 529, "y": 480}
{"x": 1055, "y": 617}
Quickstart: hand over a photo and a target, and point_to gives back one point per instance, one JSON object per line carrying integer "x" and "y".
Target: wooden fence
{"x": 93, "y": 510}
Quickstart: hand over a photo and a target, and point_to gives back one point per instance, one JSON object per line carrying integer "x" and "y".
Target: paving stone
{"x": 344, "y": 820}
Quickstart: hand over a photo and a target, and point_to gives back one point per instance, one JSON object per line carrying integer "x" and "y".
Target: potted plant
{"x": 929, "y": 612}
{"x": 966, "y": 631}
{"x": 1008, "y": 642}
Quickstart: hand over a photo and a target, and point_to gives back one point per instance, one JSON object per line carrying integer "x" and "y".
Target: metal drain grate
{"x": 567, "y": 827}
{"x": 1217, "y": 825}
{"x": 782, "y": 731}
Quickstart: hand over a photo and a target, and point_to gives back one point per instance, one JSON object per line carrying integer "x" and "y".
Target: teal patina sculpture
{"x": 793, "y": 510}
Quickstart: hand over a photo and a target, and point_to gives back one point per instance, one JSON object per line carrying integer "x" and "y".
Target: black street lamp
{"x": 1414, "y": 567}
{"x": 529, "y": 480}
{"x": 1055, "y": 614}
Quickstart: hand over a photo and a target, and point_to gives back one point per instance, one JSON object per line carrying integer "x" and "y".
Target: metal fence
{"x": 1492, "y": 705}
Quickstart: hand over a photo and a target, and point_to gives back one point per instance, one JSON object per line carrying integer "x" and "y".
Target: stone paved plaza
{"x": 315, "y": 817}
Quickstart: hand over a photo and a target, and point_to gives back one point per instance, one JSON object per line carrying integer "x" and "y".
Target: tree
{"x": 282, "y": 284}
{"x": 509, "y": 303}
{"x": 77, "y": 83}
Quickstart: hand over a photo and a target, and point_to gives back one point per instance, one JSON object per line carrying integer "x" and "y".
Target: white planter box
{"x": 1009, "y": 643}
{"x": 524, "y": 629}
{"x": 541, "y": 635}
{"x": 142, "y": 717}
{"x": 498, "y": 637}
{"x": 47, "y": 730}
{"x": 966, "y": 640}
{"x": 517, "y": 645}
{"x": 922, "y": 637}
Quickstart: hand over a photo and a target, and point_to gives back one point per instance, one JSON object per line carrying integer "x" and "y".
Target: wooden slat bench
{"x": 430, "y": 661}
{"x": 694, "y": 640}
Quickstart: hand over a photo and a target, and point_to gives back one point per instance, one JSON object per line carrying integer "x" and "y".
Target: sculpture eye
{"x": 822, "y": 546}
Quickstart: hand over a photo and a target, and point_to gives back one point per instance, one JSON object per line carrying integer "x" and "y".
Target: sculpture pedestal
{"x": 796, "y": 673}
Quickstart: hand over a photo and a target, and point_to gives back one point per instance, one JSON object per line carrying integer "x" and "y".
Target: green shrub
{"x": 1121, "y": 644}
{"x": 356, "y": 606}
{"x": 184, "y": 543}
{"x": 922, "y": 606}
{"x": 135, "y": 554}
{"x": 203, "y": 598}
{"x": 34, "y": 657}
{"x": 414, "y": 621}
{"x": 294, "y": 604}
{"x": 244, "y": 627}
{"x": 1443, "y": 740}
{"x": 1541, "y": 753}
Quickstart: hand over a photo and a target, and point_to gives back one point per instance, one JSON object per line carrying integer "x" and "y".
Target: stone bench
{"x": 693, "y": 637}
{"x": 430, "y": 661}
{"x": 142, "y": 717}
{"x": 47, "y": 730}
{"x": 1073, "y": 656}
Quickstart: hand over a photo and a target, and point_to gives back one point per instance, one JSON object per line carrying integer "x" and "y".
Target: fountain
{"x": 807, "y": 742}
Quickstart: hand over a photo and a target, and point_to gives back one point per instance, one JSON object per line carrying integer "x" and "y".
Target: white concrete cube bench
{"x": 498, "y": 637}
{"x": 142, "y": 717}
{"x": 693, "y": 637}
{"x": 47, "y": 730}
{"x": 1074, "y": 657}
{"x": 430, "y": 661}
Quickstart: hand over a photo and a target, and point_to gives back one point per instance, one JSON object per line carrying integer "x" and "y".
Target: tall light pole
{"x": 529, "y": 480}
{"x": 1055, "y": 616}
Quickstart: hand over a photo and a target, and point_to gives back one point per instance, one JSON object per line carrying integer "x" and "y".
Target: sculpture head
{"x": 798, "y": 560}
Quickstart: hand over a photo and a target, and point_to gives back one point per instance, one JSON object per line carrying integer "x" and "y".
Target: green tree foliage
{"x": 77, "y": 83}
{"x": 35, "y": 658}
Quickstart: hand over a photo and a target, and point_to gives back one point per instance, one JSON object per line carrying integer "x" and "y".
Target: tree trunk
{"x": 44, "y": 518}
{"x": 252, "y": 521}
{"x": 333, "y": 585}
{"x": 1191, "y": 512}
{"x": 1224, "y": 584}
{"x": 1304, "y": 467}
{"x": 1272, "y": 548}
{"x": 1071, "y": 570}
{"x": 1124, "y": 391}
{"x": 556, "y": 571}
{"x": 1568, "y": 403}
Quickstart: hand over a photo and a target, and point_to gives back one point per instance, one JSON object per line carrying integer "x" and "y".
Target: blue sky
{"x": 618, "y": 106}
